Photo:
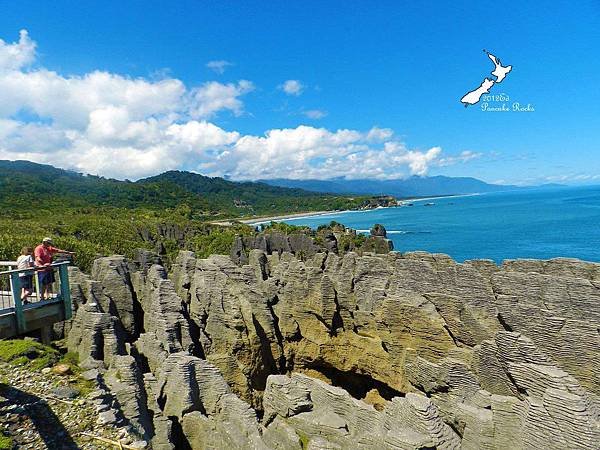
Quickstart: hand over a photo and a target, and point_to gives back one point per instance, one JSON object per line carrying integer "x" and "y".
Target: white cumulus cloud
{"x": 292, "y": 87}
{"x": 308, "y": 152}
{"x": 212, "y": 97}
{"x": 377, "y": 134}
{"x": 118, "y": 126}
{"x": 18, "y": 54}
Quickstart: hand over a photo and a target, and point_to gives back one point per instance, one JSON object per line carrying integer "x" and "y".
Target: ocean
{"x": 542, "y": 224}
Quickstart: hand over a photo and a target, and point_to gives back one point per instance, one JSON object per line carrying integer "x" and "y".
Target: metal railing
{"x": 13, "y": 300}
{"x": 6, "y": 287}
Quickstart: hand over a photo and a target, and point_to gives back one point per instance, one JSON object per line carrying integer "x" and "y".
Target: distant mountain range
{"x": 24, "y": 183}
{"x": 414, "y": 186}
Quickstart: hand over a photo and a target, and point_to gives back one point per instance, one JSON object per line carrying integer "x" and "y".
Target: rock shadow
{"x": 47, "y": 424}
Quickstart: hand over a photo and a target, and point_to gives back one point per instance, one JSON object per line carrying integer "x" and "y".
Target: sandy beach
{"x": 268, "y": 219}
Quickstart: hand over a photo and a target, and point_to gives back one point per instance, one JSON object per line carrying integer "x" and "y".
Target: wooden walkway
{"x": 17, "y": 319}
{"x": 8, "y": 302}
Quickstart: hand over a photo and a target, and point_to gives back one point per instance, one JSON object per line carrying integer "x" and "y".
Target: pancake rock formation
{"x": 398, "y": 351}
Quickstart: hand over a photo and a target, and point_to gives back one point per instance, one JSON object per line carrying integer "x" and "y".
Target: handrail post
{"x": 36, "y": 280}
{"x": 65, "y": 290}
{"x": 16, "y": 293}
{"x": 10, "y": 280}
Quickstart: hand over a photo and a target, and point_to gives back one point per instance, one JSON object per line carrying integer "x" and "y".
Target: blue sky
{"x": 386, "y": 66}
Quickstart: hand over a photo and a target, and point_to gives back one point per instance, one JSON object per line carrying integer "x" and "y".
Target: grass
{"x": 5, "y": 442}
{"x": 35, "y": 356}
{"x": 83, "y": 386}
{"x": 71, "y": 359}
{"x": 304, "y": 439}
{"x": 23, "y": 352}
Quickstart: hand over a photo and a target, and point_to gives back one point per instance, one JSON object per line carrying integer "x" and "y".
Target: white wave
{"x": 389, "y": 232}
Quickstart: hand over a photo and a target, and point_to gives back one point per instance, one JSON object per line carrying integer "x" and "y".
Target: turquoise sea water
{"x": 519, "y": 224}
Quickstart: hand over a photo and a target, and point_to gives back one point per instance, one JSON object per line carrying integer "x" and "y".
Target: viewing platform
{"x": 17, "y": 318}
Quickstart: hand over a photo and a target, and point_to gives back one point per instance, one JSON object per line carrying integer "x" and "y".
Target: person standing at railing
{"x": 25, "y": 261}
{"x": 43, "y": 259}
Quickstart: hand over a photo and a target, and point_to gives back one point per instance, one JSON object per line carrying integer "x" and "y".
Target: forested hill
{"x": 199, "y": 184}
{"x": 23, "y": 183}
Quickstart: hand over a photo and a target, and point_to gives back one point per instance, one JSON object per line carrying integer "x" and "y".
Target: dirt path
{"x": 33, "y": 417}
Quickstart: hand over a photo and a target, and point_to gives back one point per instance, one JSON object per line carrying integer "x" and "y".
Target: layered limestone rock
{"x": 115, "y": 294}
{"x": 330, "y": 415}
{"x": 274, "y": 242}
{"x": 335, "y": 238}
{"x": 346, "y": 351}
{"x": 167, "y": 328}
{"x": 238, "y": 331}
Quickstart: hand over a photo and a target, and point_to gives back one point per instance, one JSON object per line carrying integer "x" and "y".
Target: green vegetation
{"x": 71, "y": 359}
{"x": 348, "y": 242}
{"x": 5, "y": 442}
{"x": 219, "y": 241}
{"x": 93, "y": 232}
{"x": 23, "y": 352}
{"x": 84, "y": 387}
{"x": 247, "y": 198}
{"x": 24, "y": 184}
{"x": 35, "y": 356}
{"x": 95, "y": 216}
{"x": 285, "y": 228}
{"x": 333, "y": 225}
{"x": 304, "y": 440}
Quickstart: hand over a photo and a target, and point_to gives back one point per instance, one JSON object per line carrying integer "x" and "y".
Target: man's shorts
{"x": 46, "y": 278}
{"x": 26, "y": 281}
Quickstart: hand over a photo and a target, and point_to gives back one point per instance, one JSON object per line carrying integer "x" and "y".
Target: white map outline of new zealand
{"x": 500, "y": 72}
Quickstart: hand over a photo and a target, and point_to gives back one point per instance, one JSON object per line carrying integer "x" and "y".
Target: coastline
{"x": 302, "y": 215}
